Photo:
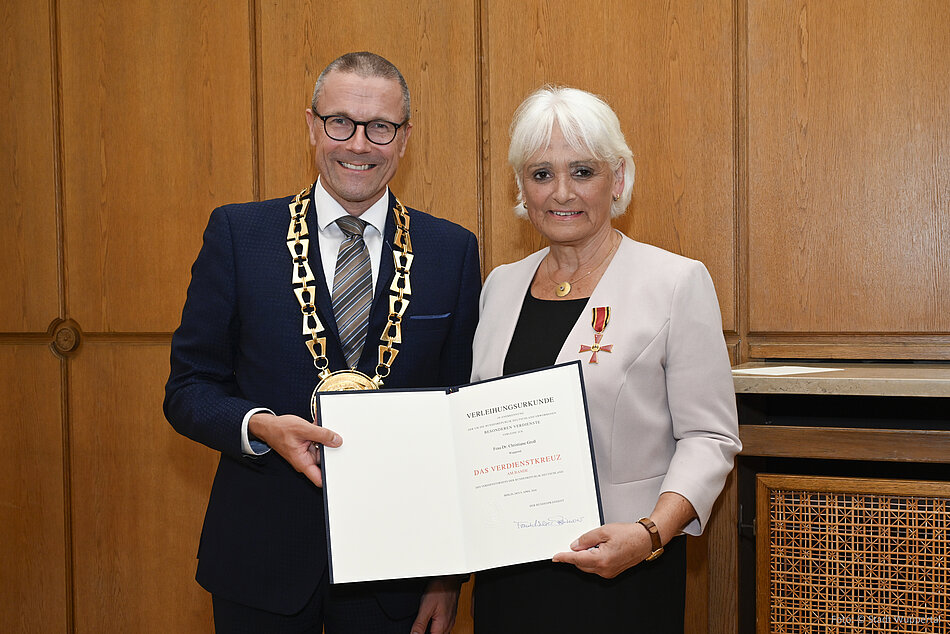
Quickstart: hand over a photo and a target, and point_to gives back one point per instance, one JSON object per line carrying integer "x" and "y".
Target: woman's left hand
{"x": 609, "y": 550}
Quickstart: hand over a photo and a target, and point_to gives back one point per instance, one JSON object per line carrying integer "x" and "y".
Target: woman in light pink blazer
{"x": 646, "y": 325}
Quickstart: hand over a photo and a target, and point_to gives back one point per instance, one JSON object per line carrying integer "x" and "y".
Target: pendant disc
{"x": 563, "y": 289}
{"x": 341, "y": 381}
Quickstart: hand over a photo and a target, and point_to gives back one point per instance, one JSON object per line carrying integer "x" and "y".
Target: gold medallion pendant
{"x": 563, "y": 289}
{"x": 341, "y": 381}
{"x": 346, "y": 380}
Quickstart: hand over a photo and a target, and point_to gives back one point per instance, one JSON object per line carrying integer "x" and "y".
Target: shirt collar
{"x": 328, "y": 209}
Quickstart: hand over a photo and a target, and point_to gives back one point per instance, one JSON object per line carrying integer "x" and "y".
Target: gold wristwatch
{"x": 655, "y": 542}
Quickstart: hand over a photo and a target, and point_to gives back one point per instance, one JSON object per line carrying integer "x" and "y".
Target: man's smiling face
{"x": 356, "y": 171}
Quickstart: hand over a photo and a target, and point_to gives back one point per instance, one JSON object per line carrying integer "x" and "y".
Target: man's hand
{"x": 296, "y": 440}
{"x": 438, "y": 606}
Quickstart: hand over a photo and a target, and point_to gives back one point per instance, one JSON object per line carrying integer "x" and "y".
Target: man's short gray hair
{"x": 588, "y": 125}
{"x": 364, "y": 64}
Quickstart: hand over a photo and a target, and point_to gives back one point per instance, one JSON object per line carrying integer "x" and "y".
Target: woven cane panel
{"x": 858, "y": 562}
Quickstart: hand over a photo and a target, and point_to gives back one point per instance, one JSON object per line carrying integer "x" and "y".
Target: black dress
{"x": 554, "y": 597}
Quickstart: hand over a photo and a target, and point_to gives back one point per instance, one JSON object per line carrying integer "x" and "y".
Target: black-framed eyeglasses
{"x": 340, "y": 127}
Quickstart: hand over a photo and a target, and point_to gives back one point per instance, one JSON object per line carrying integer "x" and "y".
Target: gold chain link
{"x": 298, "y": 242}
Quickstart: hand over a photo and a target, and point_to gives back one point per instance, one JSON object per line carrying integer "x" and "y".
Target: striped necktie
{"x": 352, "y": 289}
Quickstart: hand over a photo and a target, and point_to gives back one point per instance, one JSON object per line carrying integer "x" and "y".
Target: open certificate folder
{"x": 438, "y": 482}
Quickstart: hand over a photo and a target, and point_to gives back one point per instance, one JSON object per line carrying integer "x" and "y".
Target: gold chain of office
{"x": 298, "y": 242}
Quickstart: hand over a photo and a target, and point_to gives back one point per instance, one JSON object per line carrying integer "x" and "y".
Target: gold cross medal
{"x": 599, "y": 321}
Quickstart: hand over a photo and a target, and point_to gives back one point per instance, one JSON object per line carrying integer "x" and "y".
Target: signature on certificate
{"x": 557, "y": 520}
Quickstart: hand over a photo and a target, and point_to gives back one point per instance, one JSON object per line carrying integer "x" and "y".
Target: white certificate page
{"x": 432, "y": 482}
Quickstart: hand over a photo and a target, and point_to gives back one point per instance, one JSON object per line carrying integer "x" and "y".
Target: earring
{"x": 524, "y": 204}
{"x": 616, "y": 197}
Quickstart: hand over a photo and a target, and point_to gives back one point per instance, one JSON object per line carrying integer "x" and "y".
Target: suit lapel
{"x": 515, "y": 289}
{"x": 324, "y": 302}
{"x": 379, "y": 314}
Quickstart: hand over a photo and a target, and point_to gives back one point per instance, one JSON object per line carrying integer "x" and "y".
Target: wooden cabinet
{"x": 859, "y": 424}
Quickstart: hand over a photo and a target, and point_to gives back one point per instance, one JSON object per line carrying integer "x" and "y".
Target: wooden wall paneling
{"x": 433, "y": 45}
{"x": 849, "y": 167}
{"x": 28, "y": 256}
{"x": 696, "y": 618}
{"x": 849, "y": 346}
{"x": 156, "y": 132}
{"x": 139, "y": 491}
{"x": 836, "y": 443}
{"x": 33, "y": 539}
{"x": 667, "y": 70}
{"x": 722, "y": 561}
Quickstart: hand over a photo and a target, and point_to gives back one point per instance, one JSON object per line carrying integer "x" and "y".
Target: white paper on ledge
{"x": 783, "y": 370}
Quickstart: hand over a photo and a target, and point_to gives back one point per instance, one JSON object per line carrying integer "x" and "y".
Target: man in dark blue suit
{"x": 259, "y": 332}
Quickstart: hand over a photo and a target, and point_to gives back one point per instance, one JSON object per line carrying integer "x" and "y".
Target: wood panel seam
{"x": 483, "y": 137}
{"x": 56, "y": 85}
{"x": 56, "y": 82}
{"x": 256, "y": 132}
{"x": 741, "y": 148}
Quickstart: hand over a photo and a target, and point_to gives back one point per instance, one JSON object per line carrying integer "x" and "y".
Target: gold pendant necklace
{"x": 563, "y": 289}
{"x": 298, "y": 241}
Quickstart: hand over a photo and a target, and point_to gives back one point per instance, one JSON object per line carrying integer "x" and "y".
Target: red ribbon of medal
{"x": 599, "y": 321}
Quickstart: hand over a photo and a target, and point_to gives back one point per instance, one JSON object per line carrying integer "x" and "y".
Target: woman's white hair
{"x": 588, "y": 125}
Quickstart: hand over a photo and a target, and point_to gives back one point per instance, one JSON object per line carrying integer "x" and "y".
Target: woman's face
{"x": 568, "y": 193}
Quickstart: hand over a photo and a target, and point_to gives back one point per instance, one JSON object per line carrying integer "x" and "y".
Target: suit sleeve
{"x": 202, "y": 400}
{"x": 456, "y": 362}
{"x": 701, "y": 395}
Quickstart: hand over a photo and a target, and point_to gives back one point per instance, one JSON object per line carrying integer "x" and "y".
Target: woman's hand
{"x": 609, "y": 550}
